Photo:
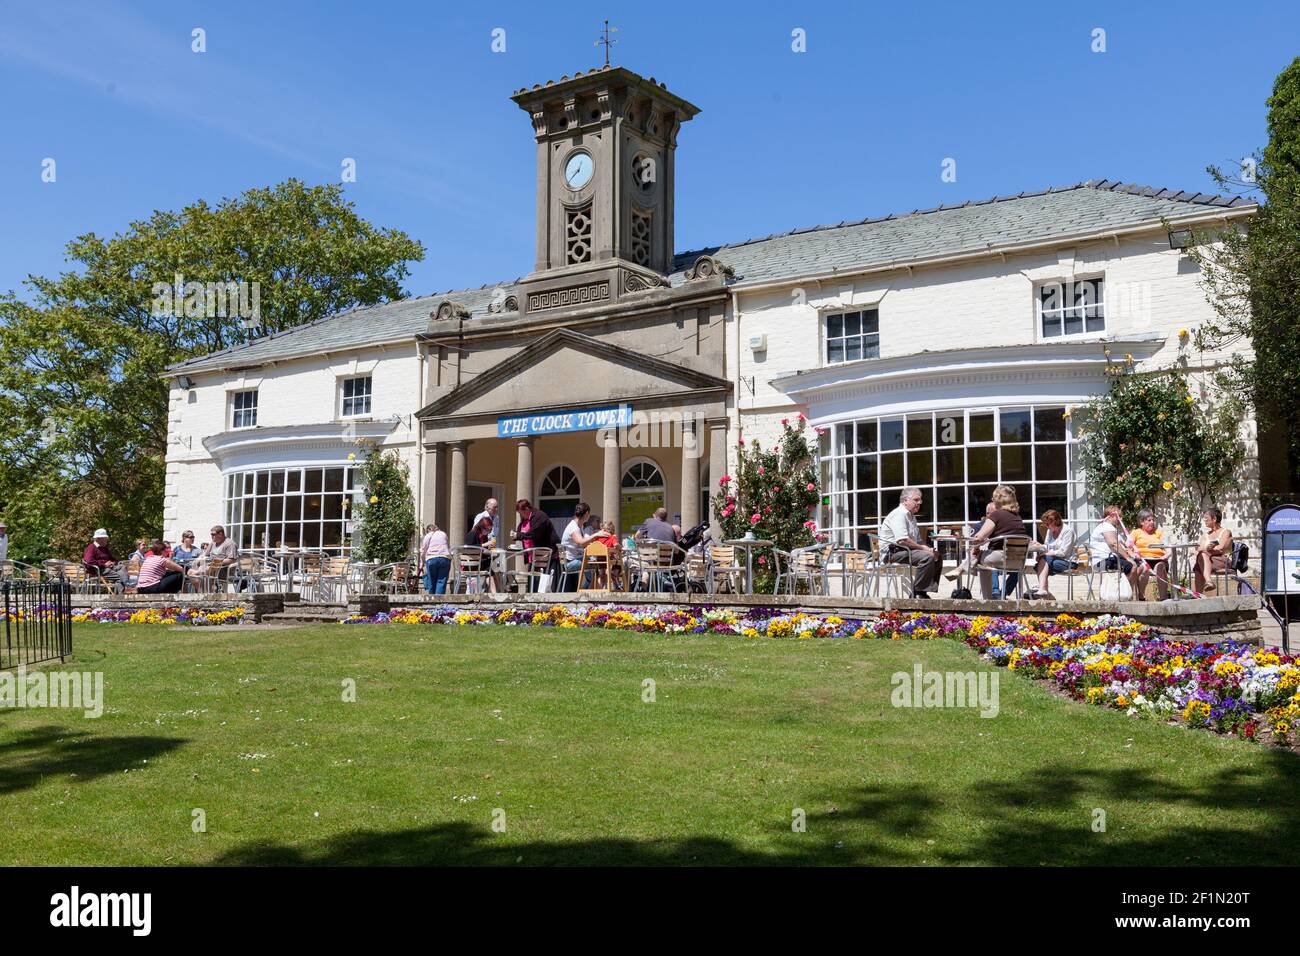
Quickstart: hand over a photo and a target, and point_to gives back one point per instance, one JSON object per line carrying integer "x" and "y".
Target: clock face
{"x": 577, "y": 171}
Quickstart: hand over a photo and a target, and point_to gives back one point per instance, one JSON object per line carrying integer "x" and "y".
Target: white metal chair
{"x": 806, "y": 564}
{"x": 724, "y": 568}
{"x": 467, "y": 567}
{"x": 890, "y": 578}
{"x": 528, "y": 568}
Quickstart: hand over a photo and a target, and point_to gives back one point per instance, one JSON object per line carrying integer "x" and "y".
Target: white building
{"x": 937, "y": 348}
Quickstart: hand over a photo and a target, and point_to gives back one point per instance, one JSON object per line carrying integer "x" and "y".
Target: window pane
{"x": 334, "y": 479}
{"x": 852, "y": 323}
{"x": 1051, "y": 326}
{"x": 1049, "y": 424}
{"x": 852, "y": 349}
{"x": 1050, "y": 496}
{"x": 977, "y": 501}
{"x": 293, "y": 480}
{"x": 952, "y": 430}
{"x": 313, "y": 479}
{"x": 835, "y": 350}
{"x": 834, "y": 326}
{"x": 292, "y": 508}
{"x": 311, "y": 534}
{"x": 982, "y": 464}
{"x": 920, "y": 468}
{"x": 951, "y": 503}
{"x": 1095, "y": 322}
{"x": 1073, "y": 321}
{"x": 871, "y": 346}
{"x": 871, "y": 321}
{"x": 891, "y": 434}
{"x": 866, "y": 436}
{"x": 950, "y": 463}
{"x": 868, "y": 508}
{"x": 333, "y": 507}
{"x": 1015, "y": 426}
{"x": 919, "y": 432}
{"x": 981, "y": 427}
{"x": 1015, "y": 463}
{"x": 1050, "y": 461}
{"x": 843, "y": 439}
{"x": 866, "y": 471}
{"x": 891, "y": 470}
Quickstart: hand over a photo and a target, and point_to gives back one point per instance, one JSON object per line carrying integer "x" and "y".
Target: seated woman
{"x": 1110, "y": 548}
{"x": 1003, "y": 521}
{"x": 1149, "y": 542}
{"x": 185, "y": 552}
{"x": 480, "y": 536}
{"x": 1055, "y": 553}
{"x": 1212, "y": 550}
{"x": 573, "y": 541}
{"x": 159, "y": 575}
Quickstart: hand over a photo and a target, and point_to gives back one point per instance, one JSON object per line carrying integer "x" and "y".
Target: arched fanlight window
{"x": 643, "y": 475}
{"x": 559, "y": 491}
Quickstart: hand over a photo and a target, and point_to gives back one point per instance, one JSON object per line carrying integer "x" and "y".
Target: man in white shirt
{"x": 491, "y": 509}
{"x": 900, "y": 540}
{"x": 4, "y": 541}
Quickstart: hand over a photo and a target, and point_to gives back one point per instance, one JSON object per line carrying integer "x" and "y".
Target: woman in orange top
{"x": 1150, "y": 543}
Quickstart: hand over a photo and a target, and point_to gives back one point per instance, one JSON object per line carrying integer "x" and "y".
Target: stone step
{"x": 305, "y": 617}
{"x": 316, "y": 605}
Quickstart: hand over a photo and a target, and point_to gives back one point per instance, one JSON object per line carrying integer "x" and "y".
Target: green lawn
{"x": 549, "y": 725}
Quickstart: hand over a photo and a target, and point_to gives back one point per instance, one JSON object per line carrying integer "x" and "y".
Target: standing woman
{"x": 1212, "y": 550}
{"x": 435, "y": 556}
{"x": 534, "y": 531}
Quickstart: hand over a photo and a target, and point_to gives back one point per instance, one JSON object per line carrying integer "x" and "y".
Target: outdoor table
{"x": 1172, "y": 552}
{"x": 748, "y": 545}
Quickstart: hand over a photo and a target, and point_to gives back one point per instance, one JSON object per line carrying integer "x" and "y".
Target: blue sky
{"x": 858, "y": 125}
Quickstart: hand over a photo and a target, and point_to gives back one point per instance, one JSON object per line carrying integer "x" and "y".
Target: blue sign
{"x": 546, "y": 423}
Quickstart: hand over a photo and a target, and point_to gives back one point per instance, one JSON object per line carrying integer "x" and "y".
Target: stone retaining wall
{"x": 1205, "y": 619}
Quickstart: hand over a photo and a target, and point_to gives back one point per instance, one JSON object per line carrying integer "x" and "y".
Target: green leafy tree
{"x": 773, "y": 494}
{"x": 384, "y": 527}
{"x": 83, "y": 402}
{"x": 1252, "y": 277}
{"x": 1150, "y": 443}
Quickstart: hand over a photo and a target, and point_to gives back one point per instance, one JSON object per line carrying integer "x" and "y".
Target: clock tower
{"x": 605, "y": 177}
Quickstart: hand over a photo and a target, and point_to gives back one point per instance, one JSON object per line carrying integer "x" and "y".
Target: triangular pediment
{"x": 568, "y": 368}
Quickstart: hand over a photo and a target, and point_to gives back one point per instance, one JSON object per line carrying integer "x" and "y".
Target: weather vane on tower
{"x": 606, "y": 40}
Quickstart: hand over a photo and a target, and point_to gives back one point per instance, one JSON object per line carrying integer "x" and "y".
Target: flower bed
{"x": 754, "y": 622}
{"x": 1110, "y": 661}
{"x": 198, "y": 617}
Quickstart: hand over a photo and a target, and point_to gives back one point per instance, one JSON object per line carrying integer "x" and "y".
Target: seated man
{"x": 900, "y": 539}
{"x": 222, "y": 554}
{"x": 1150, "y": 544}
{"x": 99, "y": 560}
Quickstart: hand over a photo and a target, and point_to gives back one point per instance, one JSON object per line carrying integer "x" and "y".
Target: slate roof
{"x": 1089, "y": 207}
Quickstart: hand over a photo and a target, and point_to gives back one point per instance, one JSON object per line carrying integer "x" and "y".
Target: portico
{"x": 572, "y": 417}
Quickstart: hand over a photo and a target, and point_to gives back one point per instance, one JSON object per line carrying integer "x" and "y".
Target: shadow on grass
{"x": 54, "y": 751}
{"x": 1046, "y": 818}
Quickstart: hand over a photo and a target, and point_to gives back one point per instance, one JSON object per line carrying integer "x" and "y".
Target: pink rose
{"x": 810, "y": 524}
{"x": 724, "y": 481}
{"x": 775, "y": 489}
{"x": 762, "y": 560}
{"x": 811, "y": 486}
{"x": 785, "y": 421}
{"x": 803, "y": 417}
{"x": 760, "y": 469}
{"x": 754, "y": 518}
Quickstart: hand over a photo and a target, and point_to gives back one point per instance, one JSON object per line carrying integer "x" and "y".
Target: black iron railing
{"x": 37, "y": 624}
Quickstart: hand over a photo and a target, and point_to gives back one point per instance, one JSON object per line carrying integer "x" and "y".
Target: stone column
{"x": 523, "y": 475}
{"x": 611, "y": 497}
{"x": 691, "y": 441}
{"x": 440, "y": 485}
{"x": 717, "y": 466}
{"x": 457, "y": 517}
{"x": 433, "y": 476}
